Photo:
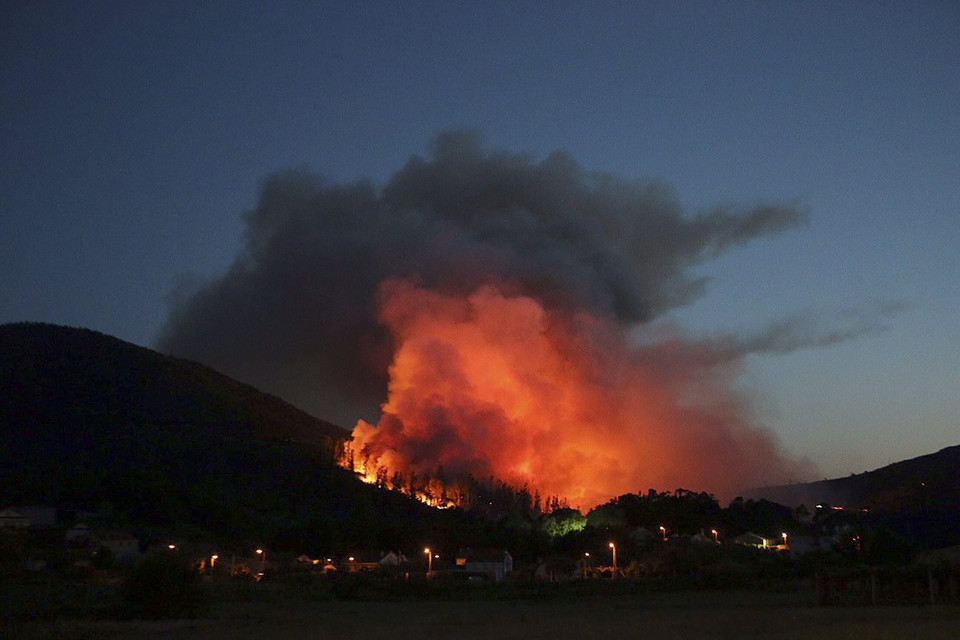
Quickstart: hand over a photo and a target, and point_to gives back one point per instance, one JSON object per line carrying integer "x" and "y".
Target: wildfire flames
{"x": 519, "y": 334}
{"x": 497, "y": 384}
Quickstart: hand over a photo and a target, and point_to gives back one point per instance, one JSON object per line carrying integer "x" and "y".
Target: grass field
{"x": 656, "y": 616}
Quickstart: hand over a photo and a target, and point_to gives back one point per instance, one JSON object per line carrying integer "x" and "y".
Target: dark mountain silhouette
{"x": 88, "y": 420}
{"x": 924, "y": 483}
{"x": 917, "y": 498}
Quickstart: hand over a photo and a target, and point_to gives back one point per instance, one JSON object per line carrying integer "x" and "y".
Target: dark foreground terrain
{"x": 741, "y": 614}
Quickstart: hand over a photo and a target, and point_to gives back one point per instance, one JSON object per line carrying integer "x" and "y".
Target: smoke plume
{"x": 349, "y": 297}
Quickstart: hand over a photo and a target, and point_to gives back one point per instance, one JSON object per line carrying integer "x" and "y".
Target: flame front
{"x": 495, "y": 384}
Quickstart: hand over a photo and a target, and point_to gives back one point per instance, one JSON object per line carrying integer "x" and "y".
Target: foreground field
{"x": 660, "y": 616}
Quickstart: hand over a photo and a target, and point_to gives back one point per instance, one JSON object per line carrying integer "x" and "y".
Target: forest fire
{"x": 521, "y": 330}
{"x": 496, "y": 385}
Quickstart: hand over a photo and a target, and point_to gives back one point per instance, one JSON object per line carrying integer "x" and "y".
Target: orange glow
{"x": 497, "y": 385}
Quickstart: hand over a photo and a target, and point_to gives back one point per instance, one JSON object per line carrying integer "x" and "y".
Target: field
{"x": 740, "y": 614}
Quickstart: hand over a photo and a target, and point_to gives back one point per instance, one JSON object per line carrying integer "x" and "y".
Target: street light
{"x": 429, "y": 560}
{"x": 716, "y": 536}
{"x": 663, "y": 533}
{"x": 784, "y": 539}
{"x": 613, "y": 548}
{"x": 213, "y": 560}
{"x": 263, "y": 559}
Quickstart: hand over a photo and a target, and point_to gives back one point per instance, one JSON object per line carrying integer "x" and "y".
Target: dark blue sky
{"x": 133, "y": 136}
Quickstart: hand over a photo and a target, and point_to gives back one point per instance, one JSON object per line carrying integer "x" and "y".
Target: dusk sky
{"x": 135, "y": 136}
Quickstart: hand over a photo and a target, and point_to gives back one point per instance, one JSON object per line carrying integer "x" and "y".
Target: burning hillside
{"x": 481, "y": 312}
{"x": 496, "y": 384}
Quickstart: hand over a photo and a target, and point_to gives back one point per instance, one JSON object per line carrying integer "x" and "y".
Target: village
{"x": 48, "y": 532}
{"x": 839, "y": 562}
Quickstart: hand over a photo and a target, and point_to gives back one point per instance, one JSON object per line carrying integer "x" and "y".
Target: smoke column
{"x": 476, "y": 309}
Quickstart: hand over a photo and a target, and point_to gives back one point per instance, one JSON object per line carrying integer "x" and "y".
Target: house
{"x": 364, "y": 561}
{"x": 492, "y": 564}
{"x": 751, "y": 540}
{"x": 703, "y": 538}
{"x": 367, "y": 561}
{"x": 393, "y": 559}
{"x": 325, "y": 565}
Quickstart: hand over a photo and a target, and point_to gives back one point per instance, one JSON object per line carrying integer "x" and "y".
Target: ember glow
{"x": 497, "y": 384}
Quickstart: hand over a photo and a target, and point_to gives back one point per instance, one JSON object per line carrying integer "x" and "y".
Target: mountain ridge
{"x": 88, "y": 421}
{"x": 930, "y": 481}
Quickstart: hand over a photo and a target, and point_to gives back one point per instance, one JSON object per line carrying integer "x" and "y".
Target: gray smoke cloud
{"x": 662, "y": 347}
{"x": 294, "y": 315}
{"x": 814, "y": 330}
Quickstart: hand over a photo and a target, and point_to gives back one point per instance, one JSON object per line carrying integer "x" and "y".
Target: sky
{"x": 135, "y": 137}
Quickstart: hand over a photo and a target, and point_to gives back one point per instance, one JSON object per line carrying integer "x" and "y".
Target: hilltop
{"x": 927, "y": 482}
{"x": 919, "y": 498}
{"x": 91, "y": 422}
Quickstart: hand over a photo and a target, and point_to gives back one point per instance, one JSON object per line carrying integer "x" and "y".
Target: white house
{"x": 751, "y": 540}
{"x": 392, "y": 559}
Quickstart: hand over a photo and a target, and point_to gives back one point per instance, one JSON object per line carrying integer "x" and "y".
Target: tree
{"x": 562, "y": 522}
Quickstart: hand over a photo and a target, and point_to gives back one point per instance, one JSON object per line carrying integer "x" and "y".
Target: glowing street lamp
{"x": 716, "y": 536}
{"x": 663, "y": 533}
{"x": 429, "y": 560}
{"x": 784, "y": 539}
{"x": 213, "y": 560}
{"x": 263, "y": 559}
{"x": 586, "y": 559}
{"x": 613, "y": 548}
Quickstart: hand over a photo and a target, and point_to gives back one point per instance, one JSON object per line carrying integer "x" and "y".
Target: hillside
{"x": 918, "y": 498}
{"x": 88, "y": 421}
{"x": 923, "y": 483}
{"x": 56, "y": 373}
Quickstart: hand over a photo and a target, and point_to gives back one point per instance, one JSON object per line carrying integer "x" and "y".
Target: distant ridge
{"x": 929, "y": 482}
